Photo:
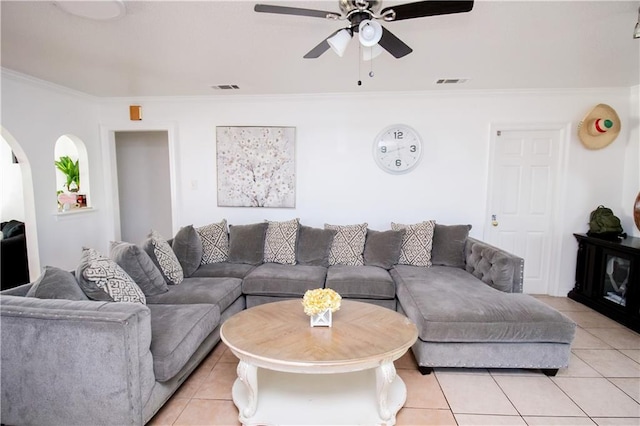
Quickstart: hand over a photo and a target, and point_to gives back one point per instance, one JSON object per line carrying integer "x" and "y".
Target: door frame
{"x": 108, "y": 138}
{"x": 558, "y": 198}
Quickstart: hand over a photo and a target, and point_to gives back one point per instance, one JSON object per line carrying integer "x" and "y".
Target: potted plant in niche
{"x": 71, "y": 170}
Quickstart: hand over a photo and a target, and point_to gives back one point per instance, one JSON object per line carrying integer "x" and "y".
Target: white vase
{"x": 323, "y": 319}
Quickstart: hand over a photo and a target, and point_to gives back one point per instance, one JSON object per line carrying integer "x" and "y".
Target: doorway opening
{"x": 20, "y": 259}
{"x": 143, "y": 184}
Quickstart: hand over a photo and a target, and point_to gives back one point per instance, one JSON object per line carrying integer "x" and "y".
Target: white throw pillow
{"x": 280, "y": 242}
{"x": 348, "y": 244}
{"x": 215, "y": 242}
{"x": 163, "y": 256}
{"x": 417, "y": 243}
{"x": 107, "y": 275}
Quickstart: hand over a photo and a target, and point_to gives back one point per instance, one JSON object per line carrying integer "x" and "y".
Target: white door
{"x": 522, "y": 186}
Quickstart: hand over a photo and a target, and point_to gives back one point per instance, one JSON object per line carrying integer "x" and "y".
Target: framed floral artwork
{"x": 256, "y": 166}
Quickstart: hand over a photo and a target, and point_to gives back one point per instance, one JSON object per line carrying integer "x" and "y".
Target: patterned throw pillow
{"x": 105, "y": 274}
{"x": 416, "y": 244}
{"x": 215, "y": 242}
{"x": 280, "y": 242}
{"x": 348, "y": 244}
{"x": 163, "y": 256}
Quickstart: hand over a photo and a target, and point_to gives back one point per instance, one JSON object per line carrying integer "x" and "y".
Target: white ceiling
{"x": 177, "y": 48}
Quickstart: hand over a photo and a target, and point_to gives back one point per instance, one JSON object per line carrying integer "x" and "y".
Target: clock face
{"x": 397, "y": 149}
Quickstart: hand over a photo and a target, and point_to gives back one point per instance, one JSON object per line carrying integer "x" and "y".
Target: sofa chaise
{"x": 110, "y": 342}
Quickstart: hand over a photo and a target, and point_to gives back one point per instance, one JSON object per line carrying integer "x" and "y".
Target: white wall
{"x": 337, "y": 179}
{"x": 36, "y": 114}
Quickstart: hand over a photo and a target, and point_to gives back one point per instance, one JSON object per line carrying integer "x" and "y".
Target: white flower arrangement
{"x": 320, "y": 299}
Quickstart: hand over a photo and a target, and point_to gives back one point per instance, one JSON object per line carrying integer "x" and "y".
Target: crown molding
{"x": 440, "y": 93}
{"x": 44, "y": 84}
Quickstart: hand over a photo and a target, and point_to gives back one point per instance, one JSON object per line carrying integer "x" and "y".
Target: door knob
{"x": 494, "y": 220}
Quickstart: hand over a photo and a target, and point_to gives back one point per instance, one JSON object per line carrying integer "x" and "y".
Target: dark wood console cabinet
{"x": 608, "y": 278}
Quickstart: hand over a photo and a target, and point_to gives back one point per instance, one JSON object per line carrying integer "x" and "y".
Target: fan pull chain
{"x": 359, "y": 60}
{"x": 371, "y": 69}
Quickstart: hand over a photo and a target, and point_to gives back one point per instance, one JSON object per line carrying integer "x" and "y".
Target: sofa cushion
{"x": 280, "y": 242}
{"x": 450, "y": 305}
{"x": 246, "y": 243}
{"x": 368, "y": 282}
{"x": 102, "y": 279}
{"x": 139, "y": 266}
{"x": 187, "y": 247}
{"x": 448, "y": 245}
{"x": 164, "y": 258}
{"x": 56, "y": 283}
{"x": 215, "y": 242}
{"x": 273, "y": 279}
{"x": 176, "y": 333}
{"x": 223, "y": 269}
{"x": 416, "y": 243}
{"x": 216, "y": 291}
{"x": 382, "y": 249}
{"x": 13, "y": 228}
{"x": 348, "y": 244}
{"x": 314, "y": 245}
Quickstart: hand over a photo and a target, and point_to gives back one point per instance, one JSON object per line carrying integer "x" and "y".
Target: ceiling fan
{"x": 363, "y": 15}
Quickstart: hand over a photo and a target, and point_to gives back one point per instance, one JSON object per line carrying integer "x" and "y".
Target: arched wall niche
{"x": 73, "y": 147}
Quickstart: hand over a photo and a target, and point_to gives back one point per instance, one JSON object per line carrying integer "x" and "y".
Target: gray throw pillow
{"x": 188, "y": 249}
{"x": 448, "y": 245}
{"x": 56, "y": 283}
{"x": 246, "y": 243}
{"x": 314, "y": 245}
{"x": 139, "y": 266}
{"x": 102, "y": 279}
{"x": 164, "y": 258}
{"x": 382, "y": 249}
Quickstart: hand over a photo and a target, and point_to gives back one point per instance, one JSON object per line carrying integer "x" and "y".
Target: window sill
{"x": 74, "y": 212}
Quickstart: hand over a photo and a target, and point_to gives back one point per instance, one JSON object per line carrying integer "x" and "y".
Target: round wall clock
{"x": 397, "y": 149}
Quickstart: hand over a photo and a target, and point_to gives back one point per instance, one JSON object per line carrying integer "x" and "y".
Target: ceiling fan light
{"x": 339, "y": 41}
{"x": 370, "y": 32}
{"x": 368, "y": 53}
{"x": 95, "y": 10}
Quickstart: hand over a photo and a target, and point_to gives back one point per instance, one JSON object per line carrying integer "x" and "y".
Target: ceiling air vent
{"x": 225, "y": 87}
{"x": 452, "y": 80}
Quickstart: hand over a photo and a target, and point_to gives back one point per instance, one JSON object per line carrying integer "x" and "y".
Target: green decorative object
{"x": 71, "y": 170}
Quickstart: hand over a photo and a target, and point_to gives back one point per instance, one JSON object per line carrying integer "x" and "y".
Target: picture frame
{"x": 255, "y": 166}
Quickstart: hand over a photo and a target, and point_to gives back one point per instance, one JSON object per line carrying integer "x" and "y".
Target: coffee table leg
{"x": 385, "y": 375}
{"x": 248, "y": 374}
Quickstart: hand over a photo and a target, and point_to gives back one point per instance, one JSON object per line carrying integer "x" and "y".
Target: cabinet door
{"x": 616, "y": 278}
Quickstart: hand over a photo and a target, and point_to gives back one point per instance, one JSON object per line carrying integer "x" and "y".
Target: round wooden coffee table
{"x": 292, "y": 373}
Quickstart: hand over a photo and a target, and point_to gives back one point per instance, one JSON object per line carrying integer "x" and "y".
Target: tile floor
{"x": 601, "y": 386}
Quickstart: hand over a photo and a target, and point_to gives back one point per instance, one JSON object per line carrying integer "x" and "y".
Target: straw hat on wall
{"x": 600, "y": 127}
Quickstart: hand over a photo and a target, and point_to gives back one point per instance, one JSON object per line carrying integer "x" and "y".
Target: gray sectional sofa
{"x": 88, "y": 347}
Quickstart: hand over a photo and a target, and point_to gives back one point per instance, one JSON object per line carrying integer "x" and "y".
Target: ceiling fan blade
{"x": 421, "y": 9}
{"x": 283, "y": 10}
{"x": 320, "y": 48}
{"x": 393, "y": 44}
